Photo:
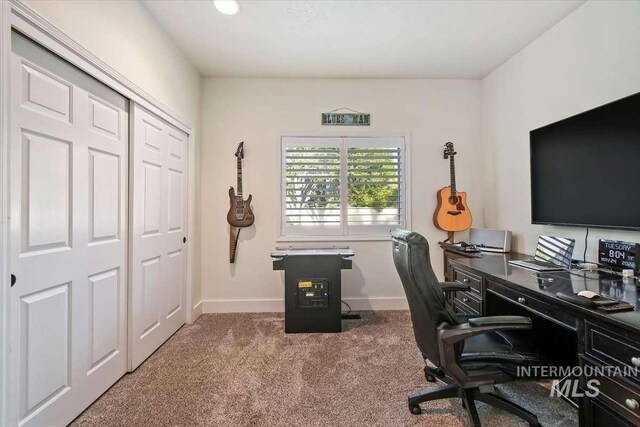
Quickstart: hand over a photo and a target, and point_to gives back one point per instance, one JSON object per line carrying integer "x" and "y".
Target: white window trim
{"x": 375, "y": 236}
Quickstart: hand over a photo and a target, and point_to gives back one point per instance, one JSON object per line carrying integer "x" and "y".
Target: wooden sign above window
{"x": 353, "y": 118}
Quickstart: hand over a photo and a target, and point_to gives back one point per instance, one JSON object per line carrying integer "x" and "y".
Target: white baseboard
{"x": 197, "y": 311}
{"x": 277, "y": 305}
{"x": 378, "y": 304}
{"x": 243, "y": 306}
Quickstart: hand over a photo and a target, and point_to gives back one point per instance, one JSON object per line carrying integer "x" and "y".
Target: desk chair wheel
{"x": 431, "y": 375}
{"x": 415, "y": 410}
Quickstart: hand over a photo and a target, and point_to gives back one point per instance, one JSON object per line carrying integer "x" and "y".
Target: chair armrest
{"x": 454, "y": 286}
{"x": 499, "y": 321}
{"x": 451, "y": 334}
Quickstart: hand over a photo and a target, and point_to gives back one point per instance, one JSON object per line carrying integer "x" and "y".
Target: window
{"x": 343, "y": 186}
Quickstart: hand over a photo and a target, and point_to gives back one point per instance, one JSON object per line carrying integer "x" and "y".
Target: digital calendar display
{"x": 619, "y": 255}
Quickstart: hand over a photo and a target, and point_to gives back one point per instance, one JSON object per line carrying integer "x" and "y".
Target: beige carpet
{"x": 242, "y": 370}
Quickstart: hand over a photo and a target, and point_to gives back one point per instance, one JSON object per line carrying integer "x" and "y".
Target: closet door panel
{"x": 67, "y": 147}
{"x": 158, "y": 205}
{"x": 104, "y": 196}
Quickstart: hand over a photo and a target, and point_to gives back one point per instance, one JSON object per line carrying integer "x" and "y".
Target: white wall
{"x": 125, "y": 36}
{"x": 259, "y": 111}
{"x": 590, "y": 58}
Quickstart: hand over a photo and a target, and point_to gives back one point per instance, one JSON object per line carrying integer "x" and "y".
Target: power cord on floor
{"x": 348, "y": 314}
{"x": 348, "y": 306}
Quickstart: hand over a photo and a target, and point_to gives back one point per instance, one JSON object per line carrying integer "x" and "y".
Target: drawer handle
{"x": 635, "y": 361}
{"x": 465, "y": 299}
{"x": 632, "y": 404}
{"x": 465, "y": 280}
{"x": 521, "y": 300}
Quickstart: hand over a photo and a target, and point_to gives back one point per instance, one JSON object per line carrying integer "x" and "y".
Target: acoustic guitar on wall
{"x": 452, "y": 213}
{"x": 240, "y": 214}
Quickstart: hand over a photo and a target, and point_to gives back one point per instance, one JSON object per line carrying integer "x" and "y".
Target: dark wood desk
{"x": 568, "y": 334}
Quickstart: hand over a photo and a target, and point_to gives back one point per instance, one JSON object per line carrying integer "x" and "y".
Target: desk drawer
{"x": 617, "y": 394}
{"x": 466, "y": 278}
{"x": 555, "y": 314}
{"x": 468, "y": 302}
{"x": 462, "y": 308}
{"x": 599, "y": 415}
{"x": 611, "y": 348}
{"x": 623, "y": 397}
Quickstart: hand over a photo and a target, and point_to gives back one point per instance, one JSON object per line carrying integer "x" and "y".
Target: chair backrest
{"x": 428, "y": 306}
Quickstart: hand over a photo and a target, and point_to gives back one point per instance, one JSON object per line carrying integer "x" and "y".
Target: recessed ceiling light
{"x": 228, "y": 7}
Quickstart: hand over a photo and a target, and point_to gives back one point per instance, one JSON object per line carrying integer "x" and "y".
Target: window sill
{"x": 351, "y": 238}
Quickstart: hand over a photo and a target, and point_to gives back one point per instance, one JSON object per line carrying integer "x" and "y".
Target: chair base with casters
{"x": 468, "y": 397}
{"x": 480, "y": 362}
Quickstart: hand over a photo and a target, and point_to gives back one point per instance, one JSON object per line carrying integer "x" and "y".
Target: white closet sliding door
{"x": 68, "y": 154}
{"x": 158, "y": 233}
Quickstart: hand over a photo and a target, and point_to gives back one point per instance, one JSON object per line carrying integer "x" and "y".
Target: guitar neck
{"x": 239, "y": 186}
{"x": 452, "y": 167}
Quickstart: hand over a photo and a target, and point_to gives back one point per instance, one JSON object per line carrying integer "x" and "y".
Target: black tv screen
{"x": 585, "y": 170}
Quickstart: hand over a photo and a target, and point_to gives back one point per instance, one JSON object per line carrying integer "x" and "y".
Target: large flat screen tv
{"x": 585, "y": 170}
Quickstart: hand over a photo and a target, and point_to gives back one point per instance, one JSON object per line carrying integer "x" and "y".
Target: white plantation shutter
{"x": 342, "y": 186}
{"x": 375, "y": 185}
{"x": 312, "y": 186}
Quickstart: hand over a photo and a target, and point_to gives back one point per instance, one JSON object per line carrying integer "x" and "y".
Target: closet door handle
{"x": 13, "y": 280}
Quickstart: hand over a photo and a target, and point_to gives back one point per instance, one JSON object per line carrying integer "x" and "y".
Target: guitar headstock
{"x": 240, "y": 150}
{"x": 448, "y": 150}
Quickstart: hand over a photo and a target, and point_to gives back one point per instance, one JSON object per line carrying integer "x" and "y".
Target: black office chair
{"x": 469, "y": 357}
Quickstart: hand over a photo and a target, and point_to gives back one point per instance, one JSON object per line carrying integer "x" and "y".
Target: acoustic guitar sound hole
{"x": 453, "y": 200}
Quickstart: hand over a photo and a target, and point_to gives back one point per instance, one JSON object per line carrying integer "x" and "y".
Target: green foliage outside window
{"x": 373, "y": 179}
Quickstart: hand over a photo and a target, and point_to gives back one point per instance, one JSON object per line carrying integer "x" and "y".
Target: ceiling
{"x": 356, "y": 39}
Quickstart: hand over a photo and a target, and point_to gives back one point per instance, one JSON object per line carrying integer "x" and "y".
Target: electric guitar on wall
{"x": 240, "y": 214}
{"x": 452, "y": 213}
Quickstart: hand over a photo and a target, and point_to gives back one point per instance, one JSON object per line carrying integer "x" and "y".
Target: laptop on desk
{"x": 552, "y": 254}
